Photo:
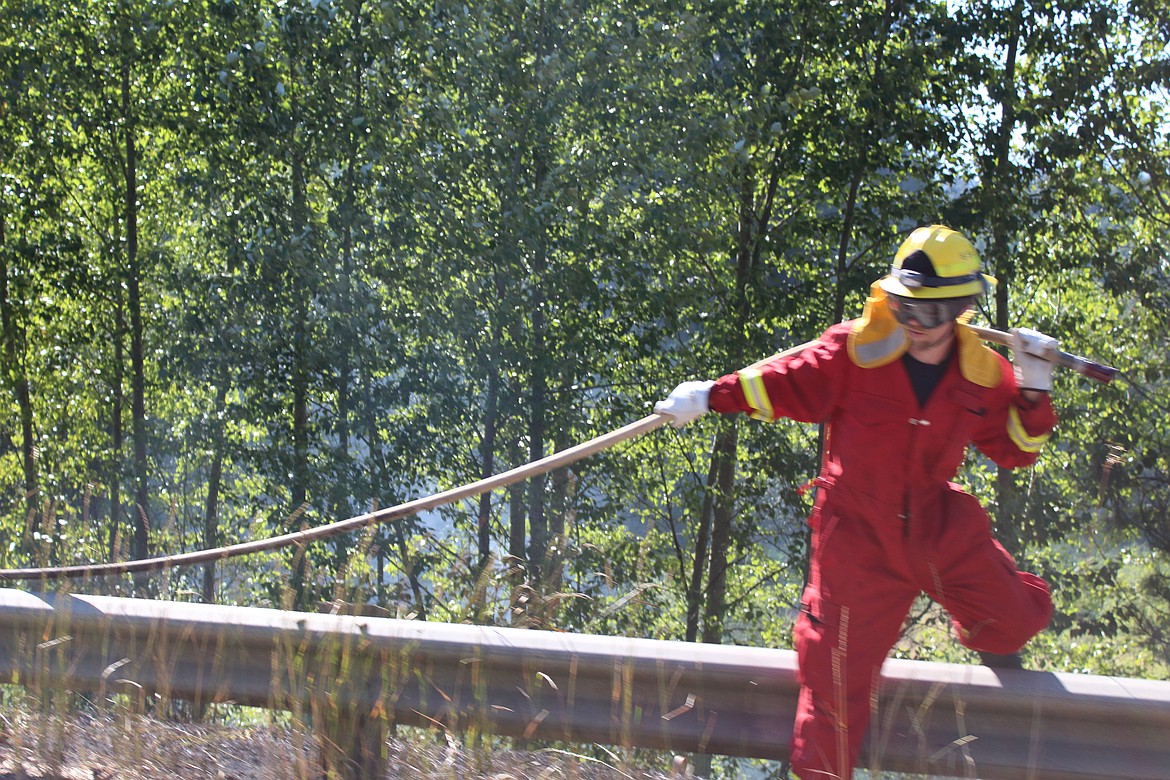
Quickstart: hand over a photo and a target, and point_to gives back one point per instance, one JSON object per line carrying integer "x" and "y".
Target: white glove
{"x": 686, "y": 402}
{"x": 1029, "y": 348}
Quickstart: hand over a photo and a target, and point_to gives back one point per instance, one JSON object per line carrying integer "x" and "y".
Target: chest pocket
{"x": 972, "y": 408}
{"x": 965, "y": 399}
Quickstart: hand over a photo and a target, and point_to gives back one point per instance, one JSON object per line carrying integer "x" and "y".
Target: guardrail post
{"x": 330, "y": 680}
{"x": 351, "y": 742}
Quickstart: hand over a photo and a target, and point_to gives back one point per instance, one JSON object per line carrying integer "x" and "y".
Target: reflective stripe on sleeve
{"x": 752, "y": 382}
{"x": 1020, "y": 437}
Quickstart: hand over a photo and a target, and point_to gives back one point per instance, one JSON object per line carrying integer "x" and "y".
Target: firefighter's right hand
{"x": 686, "y": 402}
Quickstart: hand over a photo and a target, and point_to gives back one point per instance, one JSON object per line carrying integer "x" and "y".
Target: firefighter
{"x": 902, "y": 390}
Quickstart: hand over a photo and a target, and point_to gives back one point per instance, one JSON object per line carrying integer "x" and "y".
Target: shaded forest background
{"x": 265, "y": 265}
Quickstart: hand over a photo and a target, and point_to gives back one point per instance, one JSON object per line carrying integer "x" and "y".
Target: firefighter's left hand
{"x": 1030, "y": 349}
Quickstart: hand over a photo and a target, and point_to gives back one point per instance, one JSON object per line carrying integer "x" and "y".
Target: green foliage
{"x": 373, "y": 250}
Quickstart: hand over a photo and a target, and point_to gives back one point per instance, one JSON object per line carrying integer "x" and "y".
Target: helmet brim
{"x": 894, "y": 286}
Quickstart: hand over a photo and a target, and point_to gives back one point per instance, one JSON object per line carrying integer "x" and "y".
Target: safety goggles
{"x": 927, "y": 313}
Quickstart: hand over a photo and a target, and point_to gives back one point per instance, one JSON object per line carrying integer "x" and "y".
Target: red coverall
{"x": 888, "y": 523}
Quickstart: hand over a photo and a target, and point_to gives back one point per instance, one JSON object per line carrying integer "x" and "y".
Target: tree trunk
{"x": 342, "y": 337}
{"x": 214, "y": 479}
{"x": 488, "y": 455}
{"x": 341, "y": 347}
{"x": 723, "y": 517}
{"x": 560, "y": 518}
{"x": 537, "y": 522}
{"x": 117, "y": 436}
{"x": 299, "y": 490}
{"x": 702, "y": 545}
{"x": 14, "y": 360}
{"x": 137, "y": 342}
{"x": 516, "y": 517}
{"x": 999, "y": 182}
{"x": 724, "y": 450}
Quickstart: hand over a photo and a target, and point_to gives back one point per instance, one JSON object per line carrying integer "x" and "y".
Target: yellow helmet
{"x": 936, "y": 262}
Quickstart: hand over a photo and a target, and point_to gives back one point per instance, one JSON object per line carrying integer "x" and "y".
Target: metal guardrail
{"x": 367, "y": 673}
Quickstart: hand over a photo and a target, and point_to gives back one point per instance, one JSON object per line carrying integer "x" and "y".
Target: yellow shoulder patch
{"x": 978, "y": 362}
{"x": 876, "y": 338}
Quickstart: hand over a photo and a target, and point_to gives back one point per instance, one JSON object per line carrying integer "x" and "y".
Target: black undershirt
{"x": 924, "y": 377}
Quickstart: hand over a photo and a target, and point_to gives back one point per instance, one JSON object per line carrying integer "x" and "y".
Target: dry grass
{"x": 133, "y": 747}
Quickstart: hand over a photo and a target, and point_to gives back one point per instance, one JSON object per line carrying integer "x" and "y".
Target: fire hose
{"x": 1091, "y": 369}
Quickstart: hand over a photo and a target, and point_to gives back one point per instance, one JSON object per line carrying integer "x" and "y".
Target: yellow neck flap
{"x": 878, "y": 338}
